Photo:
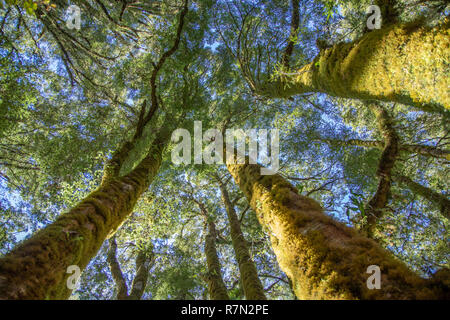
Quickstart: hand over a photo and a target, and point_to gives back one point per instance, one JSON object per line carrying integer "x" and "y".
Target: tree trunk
{"x": 376, "y": 205}
{"x": 253, "y": 289}
{"x": 116, "y": 271}
{"x": 323, "y": 258}
{"x": 216, "y": 286}
{"x": 404, "y": 63}
{"x": 144, "y": 260}
{"x": 439, "y": 200}
{"x": 36, "y": 268}
{"x": 424, "y": 150}
{"x": 143, "y": 264}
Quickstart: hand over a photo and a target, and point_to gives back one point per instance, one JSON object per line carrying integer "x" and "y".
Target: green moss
{"x": 405, "y": 63}
{"x": 36, "y": 269}
{"x": 324, "y": 259}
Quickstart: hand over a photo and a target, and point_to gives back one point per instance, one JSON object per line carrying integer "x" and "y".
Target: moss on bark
{"x": 377, "y": 204}
{"x": 405, "y": 63}
{"x": 325, "y": 259}
{"x": 439, "y": 200}
{"x": 253, "y": 289}
{"x": 216, "y": 286}
{"x": 36, "y": 268}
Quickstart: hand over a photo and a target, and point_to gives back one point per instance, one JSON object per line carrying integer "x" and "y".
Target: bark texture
{"x": 144, "y": 262}
{"x": 376, "y": 205}
{"x": 439, "y": 200}
{"x": 216, "y": 286}
{"x": 404, "y": 63}
{"x": 428, "y": 151}
{"x": 253, "y": 289}
{"x": 116, "y": 271}
{"x": 36, "y": 268}
{"x": 325, "y": 259}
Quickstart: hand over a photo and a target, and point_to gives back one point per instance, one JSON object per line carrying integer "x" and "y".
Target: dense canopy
{"x": 114, "y": 123}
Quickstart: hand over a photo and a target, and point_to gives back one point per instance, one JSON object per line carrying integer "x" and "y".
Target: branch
{"x": 159, "y": 65}
{"x": 116, "y": 272}
{"x": 390, "y": 153}
{"x": 295, "y": 22}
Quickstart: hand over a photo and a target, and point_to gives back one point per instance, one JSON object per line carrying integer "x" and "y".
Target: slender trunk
{"x": 354, "y": 142}
{"x": 404, "y": 63}
{"x": 144, "y": 260}
{"x": 216, "y": 286}
{"x": 116, "y": 271}
{"x": 376, "y": 205}
{"x": 439, "y": 200}
{"x": 428, "y": 151}
{"x": 295, "y": 23}
{"x": 36, "y": 268}
{"x": 143, "y": 264}
{"x": 323, "y": 258}
{"x": 253, "y": 289}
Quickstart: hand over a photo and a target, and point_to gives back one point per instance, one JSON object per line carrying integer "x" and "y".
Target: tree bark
{"x": 253, "y": 289}
{"x": 36, "y": 268}
{"x": 325, "y": 259}
{"x": 404, "y": 63}
{"x": 428, "y": 151}
{"x": 439, "y": 200}
{"x": 116, "y": 271}
{"x": 143, "y": 265}
{"x": 216, "y": 286}
{"x": 376, "y": 205}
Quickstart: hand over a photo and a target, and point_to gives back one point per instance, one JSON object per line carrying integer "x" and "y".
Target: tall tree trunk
{"x": 216, "y": 286}
{"x": 404, "y": 63}
{"x": 143, "y": 262}
{"x": 253, "y": 289}
{"x": 323, "y": 258}
{"x": 116, "y": 271}
{"x": 439, "y": 200}
{"x": 37, "y": 268}
{"x": 376, "y": 205}
{"x": 428, "y": 151}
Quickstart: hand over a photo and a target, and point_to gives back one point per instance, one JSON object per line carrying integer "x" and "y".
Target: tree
{"x": 252, "y": 286}
{"x": 144, "y": 259}
{"x": 75, "y": 237}
{"x": 368, "y": 68}
{"x": 316, "y": 252}
{"x": 216, "y": 286}
{"x": 360, "y": 113}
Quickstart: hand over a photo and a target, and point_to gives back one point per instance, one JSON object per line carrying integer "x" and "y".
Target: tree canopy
{"x": 87, "y": 176}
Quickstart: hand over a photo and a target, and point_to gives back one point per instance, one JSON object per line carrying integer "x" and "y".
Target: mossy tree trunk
{"x": 116, "y": 271}
{"x": 439, "y": 200}
{"x": 216, "y": 287}
{"x": 143, "y": 264}
{"x": 324, "y": 259}
{"x": 424, "y": 150}
{"x": 377, "y": 204}
{"x": 404, "y": 63}
{"x": 144, "y": 260}
{"x": 37, "y": 267}
{"x": 253, "y": 289}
